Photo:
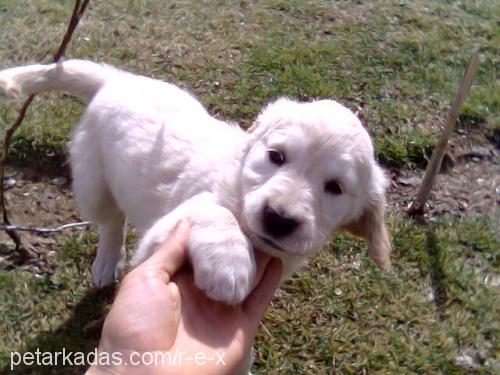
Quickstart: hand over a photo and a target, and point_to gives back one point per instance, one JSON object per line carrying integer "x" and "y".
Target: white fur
{"x": 148, "y": 151}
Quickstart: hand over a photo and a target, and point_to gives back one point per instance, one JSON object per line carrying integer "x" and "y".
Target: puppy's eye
{"x": 333, "y": 187}
{"x": 276, "y": 157}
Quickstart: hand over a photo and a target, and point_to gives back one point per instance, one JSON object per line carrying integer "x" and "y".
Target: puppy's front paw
{"x": 225, "y": 271}
{"x": 153, "y": 238}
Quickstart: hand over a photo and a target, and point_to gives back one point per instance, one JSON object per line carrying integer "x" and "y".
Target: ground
{"x": 399, "y": 63}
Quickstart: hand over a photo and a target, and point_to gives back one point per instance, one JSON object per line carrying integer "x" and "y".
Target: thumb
{"x": 171, "y": 255}
{"x": 256, "y": 303}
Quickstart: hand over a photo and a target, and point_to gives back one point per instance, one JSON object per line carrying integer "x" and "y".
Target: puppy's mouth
{"x": 264, "y": 243}
{"x": 271, "y": 243}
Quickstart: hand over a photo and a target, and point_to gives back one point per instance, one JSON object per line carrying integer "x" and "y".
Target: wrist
{"x": 128, "y": 363}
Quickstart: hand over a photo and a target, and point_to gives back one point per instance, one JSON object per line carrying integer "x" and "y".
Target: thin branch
{"x": 24, "y": 250}
{"x": 417, "y": 207}
{"x": 78, "y": 11}
{"x": 46, "y": 230}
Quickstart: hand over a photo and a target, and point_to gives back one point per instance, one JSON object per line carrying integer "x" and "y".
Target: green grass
{"x": 340, "y": 314}
{"x": 400, "y": 61}
{"x": 336, "y": 317}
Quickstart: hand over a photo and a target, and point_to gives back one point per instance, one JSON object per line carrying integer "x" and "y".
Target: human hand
{"x": 158, "y": 309}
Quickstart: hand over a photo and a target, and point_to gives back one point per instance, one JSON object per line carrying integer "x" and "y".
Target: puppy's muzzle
{"x": 277, "y": 223}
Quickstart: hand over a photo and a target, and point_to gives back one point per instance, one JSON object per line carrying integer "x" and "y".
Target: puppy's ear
{"x": 371, "y": 225}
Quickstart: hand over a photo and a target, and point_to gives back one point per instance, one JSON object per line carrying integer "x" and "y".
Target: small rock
{"x": 337, "y": 292}
{"x": 10, "y": 183}
{"x": 465, "y": 361}
{"x": 409, "y": 181}
{"x": 428, "y": 295}
{"x": 356, "y": 264}
{"x": 59, "y": 181}
{"x": 492, "y": 280}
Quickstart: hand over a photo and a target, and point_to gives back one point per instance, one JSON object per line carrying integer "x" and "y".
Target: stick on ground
{"x": 43, "y": 231}
{"x": 417, "y": 207}
{"x": 23, "y": 250}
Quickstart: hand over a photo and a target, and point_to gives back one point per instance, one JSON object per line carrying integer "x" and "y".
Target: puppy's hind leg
{"x": 110, "y": 258}
{"x": 98, "y": 205}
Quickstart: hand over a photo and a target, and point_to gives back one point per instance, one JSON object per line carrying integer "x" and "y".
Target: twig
{"x": 24, "y": 250}
{"x": 417, "y": 207}
{"x": 46, "y": 230}
{"x": 78, "y": 11}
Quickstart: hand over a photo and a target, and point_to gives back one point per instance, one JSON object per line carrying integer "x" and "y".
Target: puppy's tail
{"x": 78, "y": 77}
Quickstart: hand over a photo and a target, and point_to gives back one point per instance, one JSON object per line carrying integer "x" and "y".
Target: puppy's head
{"x": 309, "y": 173}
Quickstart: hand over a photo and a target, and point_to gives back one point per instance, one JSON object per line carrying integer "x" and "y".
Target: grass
{"x": 340, "y": 315}
{"x": 400, "y": 61}
{"x": 433, "y": 305}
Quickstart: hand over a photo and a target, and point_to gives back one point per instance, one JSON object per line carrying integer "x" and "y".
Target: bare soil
{"x": 37, "y": 200}
{"x": 468, "y": 185}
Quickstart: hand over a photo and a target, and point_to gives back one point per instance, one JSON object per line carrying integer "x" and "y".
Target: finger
{"x": 261, "y": 262}
{"x": 171, "y": 255}
{"x": 256, "y": 303}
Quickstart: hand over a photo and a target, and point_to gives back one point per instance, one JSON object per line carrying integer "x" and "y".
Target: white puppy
{"x": 148, "y": 151}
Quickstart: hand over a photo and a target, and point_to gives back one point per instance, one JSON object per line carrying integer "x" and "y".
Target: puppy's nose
{"x": 278, "y": 224}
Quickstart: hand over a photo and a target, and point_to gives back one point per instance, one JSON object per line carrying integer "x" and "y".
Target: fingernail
{"x": 181, "y": 227}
